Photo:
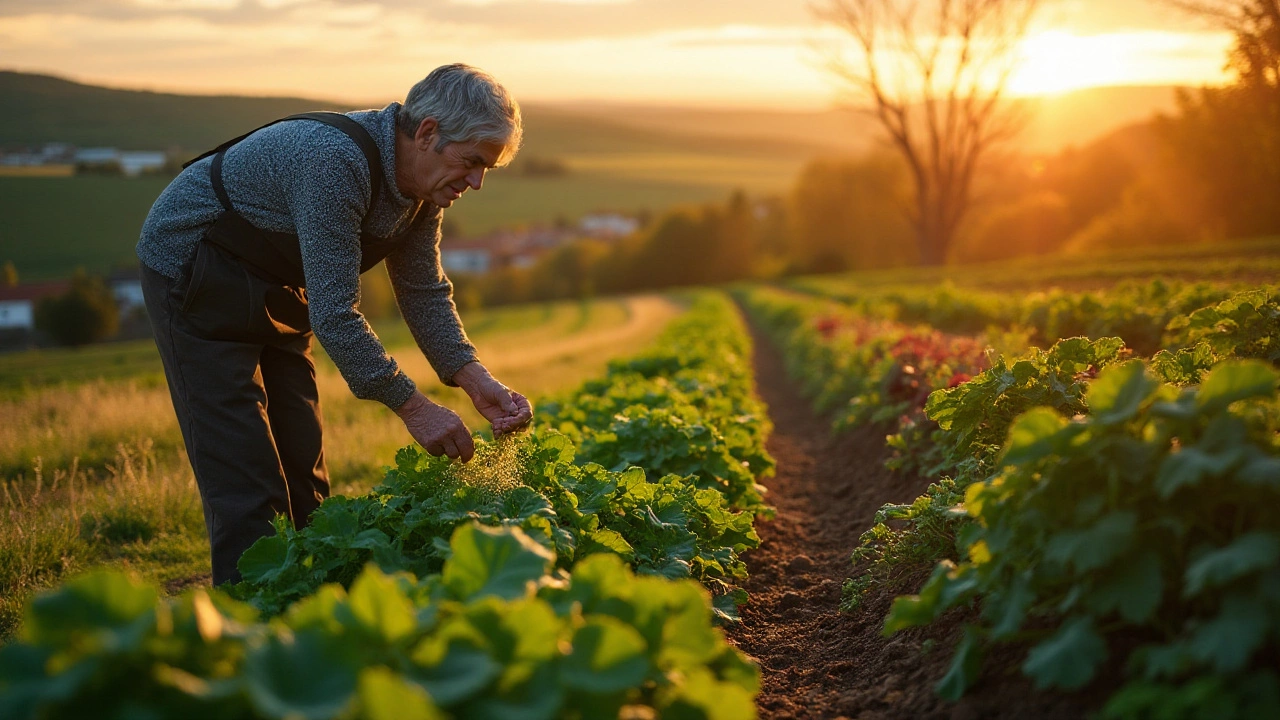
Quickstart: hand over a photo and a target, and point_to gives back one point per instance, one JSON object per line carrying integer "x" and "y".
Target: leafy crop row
{"x": 495, "y": 635}
{"x": 531, "y": 611}
{"x": 1140, "y": 313}
{"x": 1094, "y": 506}
{"x": 1153, "y": 520}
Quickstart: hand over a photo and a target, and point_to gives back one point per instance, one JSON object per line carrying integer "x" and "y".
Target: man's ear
{"x": 426, "y": 136}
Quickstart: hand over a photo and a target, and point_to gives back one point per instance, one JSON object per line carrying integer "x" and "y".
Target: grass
{"x": 94, "y": 473}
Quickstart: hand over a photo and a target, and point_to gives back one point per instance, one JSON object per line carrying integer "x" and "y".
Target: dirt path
{"x": 816, "y": 661}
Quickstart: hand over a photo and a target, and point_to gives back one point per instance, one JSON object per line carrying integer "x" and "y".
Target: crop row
{"x": 1143, "y": 313}
{"x": 1088, "y": 504}
{"x": 563, "y": 574}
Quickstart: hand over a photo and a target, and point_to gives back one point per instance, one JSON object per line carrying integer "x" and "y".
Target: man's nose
{"x": 475, "y": 178}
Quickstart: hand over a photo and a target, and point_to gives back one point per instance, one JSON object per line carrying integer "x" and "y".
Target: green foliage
{"x": 84, "y": 314}
{"x": 493, "y": 636}
{"x": 1152, "y": 517}
{"x": 666, "y": 527}
{"x": 685, "y": 407}
{"x": 1245, "y": 325}
{"x": 561, "y": 593}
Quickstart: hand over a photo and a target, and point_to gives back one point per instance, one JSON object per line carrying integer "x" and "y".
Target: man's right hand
{"x": 437, "y": 429}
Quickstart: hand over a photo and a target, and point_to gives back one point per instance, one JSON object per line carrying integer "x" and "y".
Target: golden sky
{"x": 711, "y": 52}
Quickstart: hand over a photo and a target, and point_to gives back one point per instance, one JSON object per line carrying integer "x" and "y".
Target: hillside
{"x": 43, "y": 108}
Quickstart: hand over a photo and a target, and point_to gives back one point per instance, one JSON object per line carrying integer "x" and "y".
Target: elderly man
{"x": 261, "y": 242}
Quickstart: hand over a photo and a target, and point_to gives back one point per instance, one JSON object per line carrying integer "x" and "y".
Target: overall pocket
{"x": 218, "y": 300}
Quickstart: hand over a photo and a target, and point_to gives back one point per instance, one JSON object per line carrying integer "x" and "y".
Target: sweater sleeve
{"x": 328, "y": 196}
{"x": 425, "y": 297}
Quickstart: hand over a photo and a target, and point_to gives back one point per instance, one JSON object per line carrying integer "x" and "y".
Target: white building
{"x": 608, "y": 225}
{"x": 18, "y": 304}
{"x": 132, "y": 163}
{"x": 476, "y": 260}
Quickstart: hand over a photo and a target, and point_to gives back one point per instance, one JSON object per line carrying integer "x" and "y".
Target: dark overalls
{"x": 235, "y": 340}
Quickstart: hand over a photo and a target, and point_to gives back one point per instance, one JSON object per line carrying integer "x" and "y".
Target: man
{"x": 261, "y": 242}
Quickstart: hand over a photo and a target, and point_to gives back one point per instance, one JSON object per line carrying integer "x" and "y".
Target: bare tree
{"x": 935, "y": 73}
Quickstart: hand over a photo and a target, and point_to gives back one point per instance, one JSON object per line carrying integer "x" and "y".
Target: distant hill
{"x": 42, "y": 108}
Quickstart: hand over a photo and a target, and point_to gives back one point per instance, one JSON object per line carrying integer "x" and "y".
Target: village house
{"x": 521, "y": 247}
{"x": 18, "y": 311}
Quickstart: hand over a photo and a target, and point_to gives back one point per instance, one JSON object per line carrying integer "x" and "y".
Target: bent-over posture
{"x": 260, "y": 243}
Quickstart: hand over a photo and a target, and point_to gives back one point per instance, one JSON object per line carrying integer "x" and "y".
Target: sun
{"x": 1054, "y": 61}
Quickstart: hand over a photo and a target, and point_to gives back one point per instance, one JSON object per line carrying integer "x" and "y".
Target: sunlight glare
{"x": 1057, "y": 61}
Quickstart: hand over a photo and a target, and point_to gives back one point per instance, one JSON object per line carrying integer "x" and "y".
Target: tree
{"x": 935, "y": 73}
{"x": 86, "y": 313}
{"x": 1230, "y": 136}
{"x": 847, "y": 215}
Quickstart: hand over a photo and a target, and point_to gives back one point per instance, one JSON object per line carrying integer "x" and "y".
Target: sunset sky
{"x": 745, "y": 52}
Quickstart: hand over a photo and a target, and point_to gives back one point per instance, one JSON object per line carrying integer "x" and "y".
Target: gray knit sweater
{"x": 310, "y": 179}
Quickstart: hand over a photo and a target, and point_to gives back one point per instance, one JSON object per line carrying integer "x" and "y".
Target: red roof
{"x": 34, "y": 291}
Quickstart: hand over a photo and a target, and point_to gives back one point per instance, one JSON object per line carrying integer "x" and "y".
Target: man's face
{"x": 440, "y": 177}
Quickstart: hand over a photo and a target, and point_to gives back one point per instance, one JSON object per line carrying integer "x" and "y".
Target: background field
{"x": 620, "y": 158}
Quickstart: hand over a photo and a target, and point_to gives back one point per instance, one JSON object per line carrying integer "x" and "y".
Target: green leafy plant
{"x": 495, "y": 635}
{"x": 1151, "y": 518}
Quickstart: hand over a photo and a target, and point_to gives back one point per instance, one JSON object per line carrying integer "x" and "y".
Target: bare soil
{"x": 816, "y": 661}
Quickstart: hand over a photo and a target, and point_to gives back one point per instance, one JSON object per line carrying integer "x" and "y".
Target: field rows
{"x": 1107, "y": 502}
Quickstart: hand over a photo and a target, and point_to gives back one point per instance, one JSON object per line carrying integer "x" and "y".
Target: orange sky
{"x": 748, "y": 52}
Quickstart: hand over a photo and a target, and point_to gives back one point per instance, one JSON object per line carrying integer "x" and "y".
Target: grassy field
{"x": 93, "y": 471}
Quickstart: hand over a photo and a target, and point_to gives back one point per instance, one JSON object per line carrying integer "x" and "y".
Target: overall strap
{"x": 351, "y": 128}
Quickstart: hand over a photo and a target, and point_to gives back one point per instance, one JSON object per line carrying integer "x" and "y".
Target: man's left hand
{"x": 505, "y": 409}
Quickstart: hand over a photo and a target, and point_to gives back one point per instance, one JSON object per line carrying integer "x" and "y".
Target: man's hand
{"x": 437, "y": 429}
{"x": 504, "y": 408}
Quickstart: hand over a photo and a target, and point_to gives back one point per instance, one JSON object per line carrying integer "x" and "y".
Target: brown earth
{"x": 816, "y": 661}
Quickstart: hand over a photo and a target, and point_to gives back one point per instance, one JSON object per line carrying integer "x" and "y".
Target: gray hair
{"x": 468, "y": 105}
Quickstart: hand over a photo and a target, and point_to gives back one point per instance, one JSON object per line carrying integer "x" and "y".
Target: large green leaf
{"x": 703, "y": 697}
{"x": 453, "y": 671}
{"x": 1133, "y": 587}
{"x": 499, "y": 562}
{"x": 1248, "y": 553}
{"x": 1033, "y": 436}
{"x": 1069, "y": 658}
{"x": 108, "y": 603}
{"x": 605, "y": 541}
{"x": 379, "y": 607}
{"x": 608, "y": 656}
{"x": 265, "y": 560}
{"x": 1119, "y": 392}
{"x": 1095, "y": 546}
{"x": 306, "y": 676}
{"x": 964, "y": 668}
{"x": 1228, "y": 641}
{"x": 1234, "y": 380}
{"x": 384, "y": 695}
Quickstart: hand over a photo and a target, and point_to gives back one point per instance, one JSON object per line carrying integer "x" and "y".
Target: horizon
{"x": 569, "y": 103}
{"x": 751, "y": 54}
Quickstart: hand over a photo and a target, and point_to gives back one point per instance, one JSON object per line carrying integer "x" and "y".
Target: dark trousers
{"x": 237, "y": 355}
